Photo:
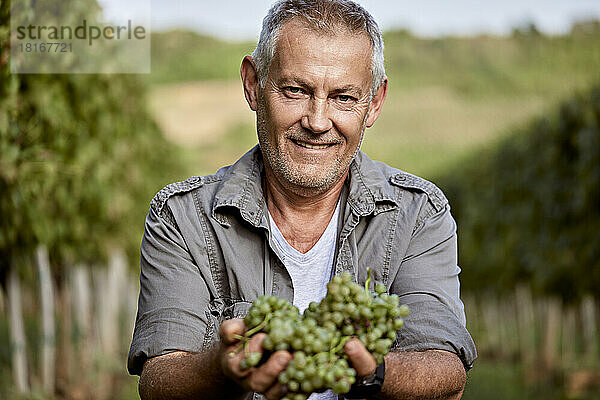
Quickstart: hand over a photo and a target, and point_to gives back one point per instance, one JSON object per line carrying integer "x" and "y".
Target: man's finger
{"x": 238, "y": 353}
{"x": 255, "y": 344}
{"x": 362, "y": 361}
{"x": 276, "y": 392}
{"x": 230, "y": 328}
{"x": 266, "y": 375}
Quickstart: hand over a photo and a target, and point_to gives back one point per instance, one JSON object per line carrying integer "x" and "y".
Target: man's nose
{"x": 316, "y": 117}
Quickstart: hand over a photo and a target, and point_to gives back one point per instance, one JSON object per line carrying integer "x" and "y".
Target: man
{"x": 302, "y": 206}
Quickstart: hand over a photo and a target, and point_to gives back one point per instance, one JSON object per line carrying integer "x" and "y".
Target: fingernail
{"x": 282, "y": 361}
{"x": 350, "y": 346}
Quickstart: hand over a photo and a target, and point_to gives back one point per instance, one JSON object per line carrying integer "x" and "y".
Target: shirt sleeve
{"x": 173, "y": 297}
{"x": 428, "y": 283}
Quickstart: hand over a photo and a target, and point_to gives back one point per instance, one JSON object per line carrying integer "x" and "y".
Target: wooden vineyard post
{"x": 553, "y": 311}
{"x": 589, "y": 318}
{"x": 48, "y": 327}
{"x": 64, "y": 338}
{"x": 568, "y": 338}
{"x": 492, "y": 321}
{"x": 17, "y": 332}
{"x": 110, "y": 285}
{"x": 525, "y": 324}
{"x": 82, "y": 312}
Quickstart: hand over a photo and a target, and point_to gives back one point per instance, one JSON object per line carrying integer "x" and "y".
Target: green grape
{"x": 329, "y": 378}
{"x": 297, "y": 343}
{"x": 317, "y": 381}
{"x": 380, "y": 312}
{"x": 404, "y": 311}
{"x": 317, "y": 346}
{"x": 310, "y": 370}
{"x": 284, "y": 377}
{"x": 282, "y": 346}
{"x": 341, "y": 387}
{"x": 329, "y": 325}
{"x": 306, "y": 386}
{"x": 345, "y": 291}
{"x": 337, "y": 318}
{"x": 293, "y": 386}
{"x": 338, "y": 372}
{"x": 253, "y": 358}
{"x": 348, "y": 330}
{"x": 380, "y": 288}
{"x": 398, "y": 323}
{"x": 267, "y": 343}
{"x": 291, "y": 369}
{"x": 366, "y": 312}
{"x": 299, "y": 375}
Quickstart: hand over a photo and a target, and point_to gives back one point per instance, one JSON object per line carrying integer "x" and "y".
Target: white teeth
{"x": 313, "y": 146}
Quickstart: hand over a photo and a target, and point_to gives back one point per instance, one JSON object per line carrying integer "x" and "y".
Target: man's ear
{"x": 377, "y": 103}
{"x": 250, "y": 81}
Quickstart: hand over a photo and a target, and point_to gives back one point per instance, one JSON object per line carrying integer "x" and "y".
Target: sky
{"x": 241, "y": 19}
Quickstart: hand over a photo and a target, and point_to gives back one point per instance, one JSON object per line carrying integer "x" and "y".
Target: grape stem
{"x": 247, "y": 335}
{"x": 341, "y": 344}
{"x": 258, "y": 327}
{"x": 368, "y": 281}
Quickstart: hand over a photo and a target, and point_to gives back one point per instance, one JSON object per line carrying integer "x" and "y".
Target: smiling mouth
{"x": 311, "y": 146}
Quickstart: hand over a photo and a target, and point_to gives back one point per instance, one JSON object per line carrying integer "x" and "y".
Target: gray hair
{"x": 322, "y": 16}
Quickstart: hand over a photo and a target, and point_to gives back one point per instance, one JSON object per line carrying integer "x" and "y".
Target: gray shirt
{"x": 207, "y": 254}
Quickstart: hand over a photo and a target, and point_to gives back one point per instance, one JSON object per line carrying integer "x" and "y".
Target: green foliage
{"x": 180, "y": 56}
{"x": 482, "y": 65}
{"x": 80, "y": 159}
{"x": 528, "y": 209}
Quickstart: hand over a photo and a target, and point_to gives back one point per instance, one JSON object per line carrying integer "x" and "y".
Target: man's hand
{"x": 261, "y": 379}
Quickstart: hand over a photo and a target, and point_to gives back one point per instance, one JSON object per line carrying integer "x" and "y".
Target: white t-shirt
{"x": 310, "y": 272}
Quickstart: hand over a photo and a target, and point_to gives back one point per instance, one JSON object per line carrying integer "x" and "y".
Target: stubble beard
{"x": 306, "y": 181}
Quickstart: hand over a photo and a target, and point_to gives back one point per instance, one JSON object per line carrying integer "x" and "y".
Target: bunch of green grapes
{"x": 316, "y": 338}
{"x": 373, "y": 318}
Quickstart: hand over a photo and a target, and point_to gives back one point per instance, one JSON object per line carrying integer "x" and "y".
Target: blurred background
{"x": 498, "y": 103}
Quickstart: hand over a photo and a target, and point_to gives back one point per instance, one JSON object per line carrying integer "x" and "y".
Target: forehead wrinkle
{"x": 298, "y": 58}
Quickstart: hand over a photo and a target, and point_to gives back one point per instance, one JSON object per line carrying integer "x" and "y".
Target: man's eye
{"x": 293, "y": 90}
{"x": 344, "y": 98}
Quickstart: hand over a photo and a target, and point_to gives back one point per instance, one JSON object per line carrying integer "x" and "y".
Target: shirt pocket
{"x": 219, "y": 310}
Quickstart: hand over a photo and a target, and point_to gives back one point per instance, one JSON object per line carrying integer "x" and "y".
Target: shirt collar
{"x": 369, "y": 190}
{"x": 241, "y": 188}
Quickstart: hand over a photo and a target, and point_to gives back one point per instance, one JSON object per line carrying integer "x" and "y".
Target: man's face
{"x": 313, "y": 110}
